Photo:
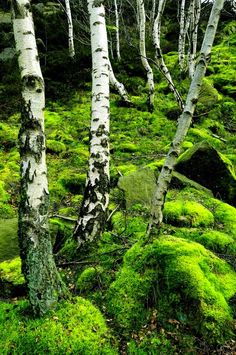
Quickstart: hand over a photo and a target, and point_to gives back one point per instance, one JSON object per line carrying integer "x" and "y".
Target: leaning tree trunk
{"x": 159, "y": 57}
{"x": 186, "y": 117}
{"x": 193, "y": 36}
{"x": 142, "y": 48}
{"x": 118, "y": 85}
{"x": 43, "y": 281}
{"x": 70, "y": 30}
{"x": 96, "y": 197}
{"x": 117, "y": 31}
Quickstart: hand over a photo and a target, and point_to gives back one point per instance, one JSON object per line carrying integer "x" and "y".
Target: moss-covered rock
{"x": 182, "y": 280}
{"x": 198, "y": 163}
{"x": 88, "y": 279}
{"x": 187, "y": 213}
{"x": 138, "y": 187}
{"x": 77, "y": 327}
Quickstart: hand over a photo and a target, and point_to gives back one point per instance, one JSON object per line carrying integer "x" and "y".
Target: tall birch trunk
{"x": 193, "y": 36}
{"x": 70, "y": 30}
{"x": 142, "y": 49}
{"x": 117, "y": 32}
{"x": 117, "y": 85}
{"x": 186, "y": 117}
{"x": 43, "y": 281}
{"x": 181, "y": 43}
{"x": 159, "y": 57}
{"x": 96, "y": 197}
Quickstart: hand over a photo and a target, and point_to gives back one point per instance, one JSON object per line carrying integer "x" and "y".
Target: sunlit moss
{"x": 189, "y": 213}
{"x": 77, "y": 327}
{"x": 191, "y": 283}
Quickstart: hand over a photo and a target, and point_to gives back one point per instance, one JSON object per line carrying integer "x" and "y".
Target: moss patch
{"x": 187, "y": 213}
{"x": 75, "y": 328}
{"x": 8, "y": 239}
{"x": 189, "y": 282}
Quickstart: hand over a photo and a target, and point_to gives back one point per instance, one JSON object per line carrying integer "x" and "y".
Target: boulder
{"x": 207, "y": 166}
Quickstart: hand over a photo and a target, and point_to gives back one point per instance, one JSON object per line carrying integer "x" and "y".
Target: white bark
{"x": 186, "y": 117}
{"x": 70, "y": 30}
{"x": 96, "y": 197}
{"x": 159, "y": 57}
{"x": 142, "y": 49}
{"x": 43, "y": 281}
{"x": 181, "y": 44}
{"x": 117, "y": 31}
{"x": 117, "y": 85}
{"x": 195, "y": 17}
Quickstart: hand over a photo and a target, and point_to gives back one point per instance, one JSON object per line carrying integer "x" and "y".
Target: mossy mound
{"x": 11, "y": 279}
{"x": 8, "y": 239}
{"x": 182, "y": 280}
{"x": 199, "y": 162}
{"x": 187, "y": 213}
{"x": 75, "y": 328}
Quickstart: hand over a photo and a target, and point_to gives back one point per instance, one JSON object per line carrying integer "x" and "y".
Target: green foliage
{"x": 187, "y": 213}
{"x": 77, "y": 327}
{"x": 10, "y": 271}
{"x": 151, "y": 345}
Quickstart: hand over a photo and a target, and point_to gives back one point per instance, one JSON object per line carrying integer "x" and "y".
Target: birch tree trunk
{"x": 96, "y": 197}
{"x": 193, "y": 36}
{"x": 181, "y": 44}
{"x": 117, "y": 85}
{"x": 117, "y": 32}
{"x": 70, "y": 30}
{"x": 142, "y": 49}
{"x": 159, "y": 57}
{"x": 43, "y": 281}
{"x": 186, "y": 117}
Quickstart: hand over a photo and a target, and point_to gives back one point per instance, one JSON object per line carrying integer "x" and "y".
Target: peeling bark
{"x": 96, "y": 197}
{"x": 43, "y": 281}
{"x": 186, "y": 118}
{"x": 159, "y": 57}
{"x": 142, "y": 49}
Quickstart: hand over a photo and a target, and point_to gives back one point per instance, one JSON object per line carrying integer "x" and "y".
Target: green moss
{"x": 8, "y": 239}
{"x": 127, "y": 297}
{"x": 128, "y": 147}
{"x": 183, "y": 279}
{"x": 88, "y": 279}
{"x": 151, "y": 345}
{"x": 73, "y": 182}
{"x": 226, "y": 215}
{"x": 75, "y": 328}
{"x": 10, "y": 271}
{"x": 55, "y": 146}
{"x": 188, "y": 213}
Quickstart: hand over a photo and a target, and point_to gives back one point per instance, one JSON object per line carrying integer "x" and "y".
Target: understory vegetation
{"x": 170, "y": 293}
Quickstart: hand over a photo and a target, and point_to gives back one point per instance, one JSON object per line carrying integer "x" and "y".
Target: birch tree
{"x": 117, "y": 31}
{"x": 181, "y": 42}
{"x": 158, "y": 53}
{"x": 118, "y": 85}
{"x": 70, "y": 30}
{"x": 194, "y": 22}
{"x": 186, "y": 117}
{"x": 142, "y": 49}
{"x": 96, "y": 197}
{"x": 43, "y": 281}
